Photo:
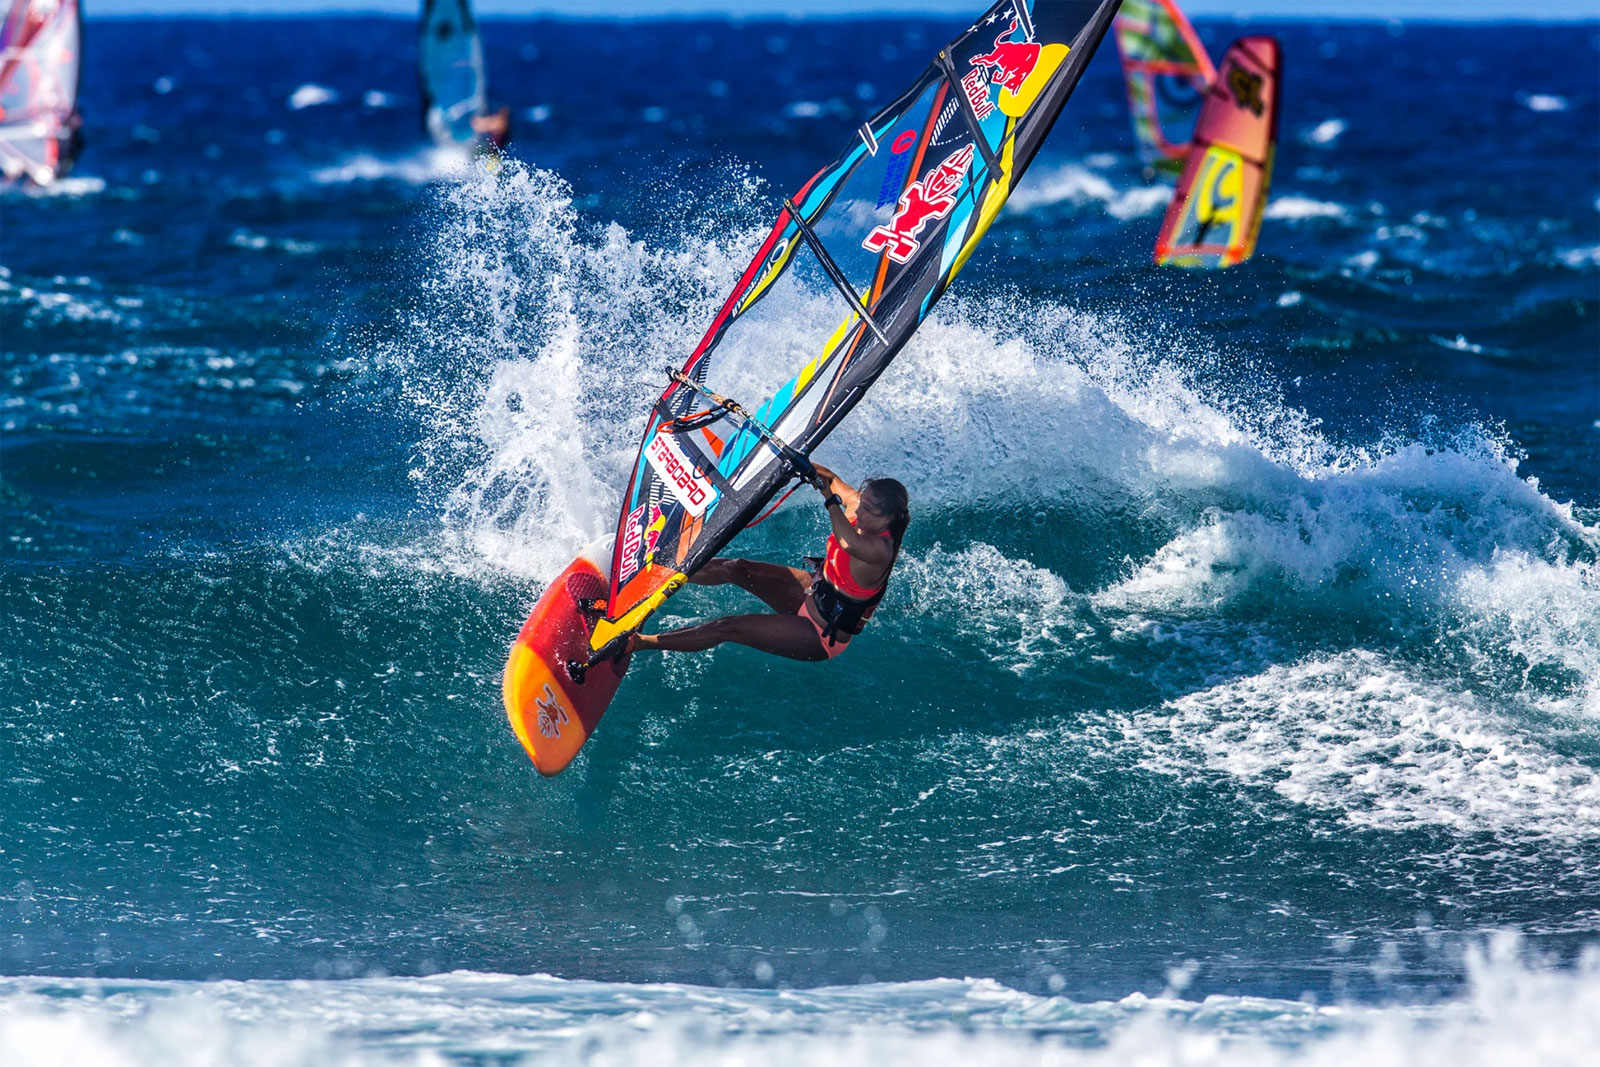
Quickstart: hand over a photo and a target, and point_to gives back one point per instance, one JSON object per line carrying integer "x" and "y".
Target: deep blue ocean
{"x": 1237, "y": 700}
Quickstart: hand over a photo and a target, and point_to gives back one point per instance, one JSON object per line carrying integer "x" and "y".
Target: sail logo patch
{"x": 1246, "y": 88}
{"x": 976, "y": 86}
{"x": 895, "y": 173}
{"x": 923, "y": 202}
{"x": 1020, "y": 68}
{"x": 686, "y": 484}
{"x": 1010, "y": 62}
{"x": 639, "y": 533}
{"x": 552, "y": 716}
{"x": 632, "y": 539}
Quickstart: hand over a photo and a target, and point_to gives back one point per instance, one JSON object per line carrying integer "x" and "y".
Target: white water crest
{"x": 1074, "y": 184}
{"x": 1513, "y": 1011}
{"x": 1362, "y": 737}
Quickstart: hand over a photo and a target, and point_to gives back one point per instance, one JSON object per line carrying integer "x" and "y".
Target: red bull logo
{"x": 1010, "y": 62}
{"x": 923, "y": 202}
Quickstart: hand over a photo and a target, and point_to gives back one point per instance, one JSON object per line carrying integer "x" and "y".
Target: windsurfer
{"x": 494, "y": 127}
{"x": 816, "y": 612}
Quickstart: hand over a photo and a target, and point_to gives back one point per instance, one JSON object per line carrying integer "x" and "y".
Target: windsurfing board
{"x": 552, "y": 712}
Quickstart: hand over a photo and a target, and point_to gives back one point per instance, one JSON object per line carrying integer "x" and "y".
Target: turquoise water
{"x": 1235, "y": 700}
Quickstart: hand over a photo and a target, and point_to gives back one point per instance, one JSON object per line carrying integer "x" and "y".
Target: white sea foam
{"x": 1360, "y": 736}
{"x": 1544, "y": 102}
{"x": 76, "y": 300}
{"x": 539, "y": 350}
{"x": 70, "y": 187}
{"x": 1511, "y": 1012}
{"x": 1325, "y": 132}
{"x": 310, "y": 95}
{"x": 419, "y": 168}
{"x": 256, "y": 242}
{"x": 1581, "y": 257}
{"x": 1039, "y": 617}
{"x": 1294, "y": 207}
{"x": 1074, "y": 184}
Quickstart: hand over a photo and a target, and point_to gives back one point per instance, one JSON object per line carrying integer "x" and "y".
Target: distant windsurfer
{"x": 816, "y": 612}
{"x": 494, "y": 127}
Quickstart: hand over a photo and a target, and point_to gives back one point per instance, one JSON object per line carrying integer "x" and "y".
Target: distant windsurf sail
{"x": 1215, "y": 215}
{"x": 40, "y": 58}
{"x": 847, "y": 273}
{"x": 1167, "y": 73}
{"x": 450, "y": 65}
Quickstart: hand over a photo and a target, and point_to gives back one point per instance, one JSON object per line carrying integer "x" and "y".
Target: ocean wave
{"x": 1514, "y": 1010}
{"x": 1360, "y": 736}
{"x": 1077, "y": 185}
{"x": 1235, "y": 501}
{"x": 419, "y": 168}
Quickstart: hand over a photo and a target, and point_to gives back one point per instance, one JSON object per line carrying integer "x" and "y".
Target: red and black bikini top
{"x": 836, "y": 569}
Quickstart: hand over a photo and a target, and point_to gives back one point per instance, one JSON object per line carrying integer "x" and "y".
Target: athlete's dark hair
{"x": 888, "y": 497}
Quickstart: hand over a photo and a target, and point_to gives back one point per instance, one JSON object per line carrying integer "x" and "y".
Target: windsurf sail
{"x": 40, "y": 58}
{"x": 450, "y": 67}
{"x": 1215, "y": 215}
{"x": 848, "y": 271}
{"x": 1167, "y": 73}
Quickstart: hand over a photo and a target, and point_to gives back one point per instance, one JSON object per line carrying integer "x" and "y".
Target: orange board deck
{"x": 552, "y": 713}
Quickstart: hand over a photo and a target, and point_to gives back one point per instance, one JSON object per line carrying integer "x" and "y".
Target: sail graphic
{"x": 1215, "y": 214}
{"x": 848, "y": 271}
{"x": 1166, "y": 72}
{"x": 450, "y": 66}
{"x": 40, "y": 59}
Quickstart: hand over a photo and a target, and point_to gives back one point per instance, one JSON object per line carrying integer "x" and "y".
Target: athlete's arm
{"x": 832, "y": 483}
{"x": 869, "y": 550}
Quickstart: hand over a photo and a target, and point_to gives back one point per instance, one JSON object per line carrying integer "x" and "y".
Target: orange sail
{"x": 1215, "y": 216}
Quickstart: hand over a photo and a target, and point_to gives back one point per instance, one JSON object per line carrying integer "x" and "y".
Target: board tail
{"x": 552, "y": 697}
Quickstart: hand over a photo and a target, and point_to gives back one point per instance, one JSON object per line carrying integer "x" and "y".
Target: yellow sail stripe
{"x": 765, "y": 281}
{"x": 993, "y": 200}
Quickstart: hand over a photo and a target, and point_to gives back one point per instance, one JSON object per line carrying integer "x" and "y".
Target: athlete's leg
{"x": 781, "y": 635}
{"x": 780, "y": 588}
